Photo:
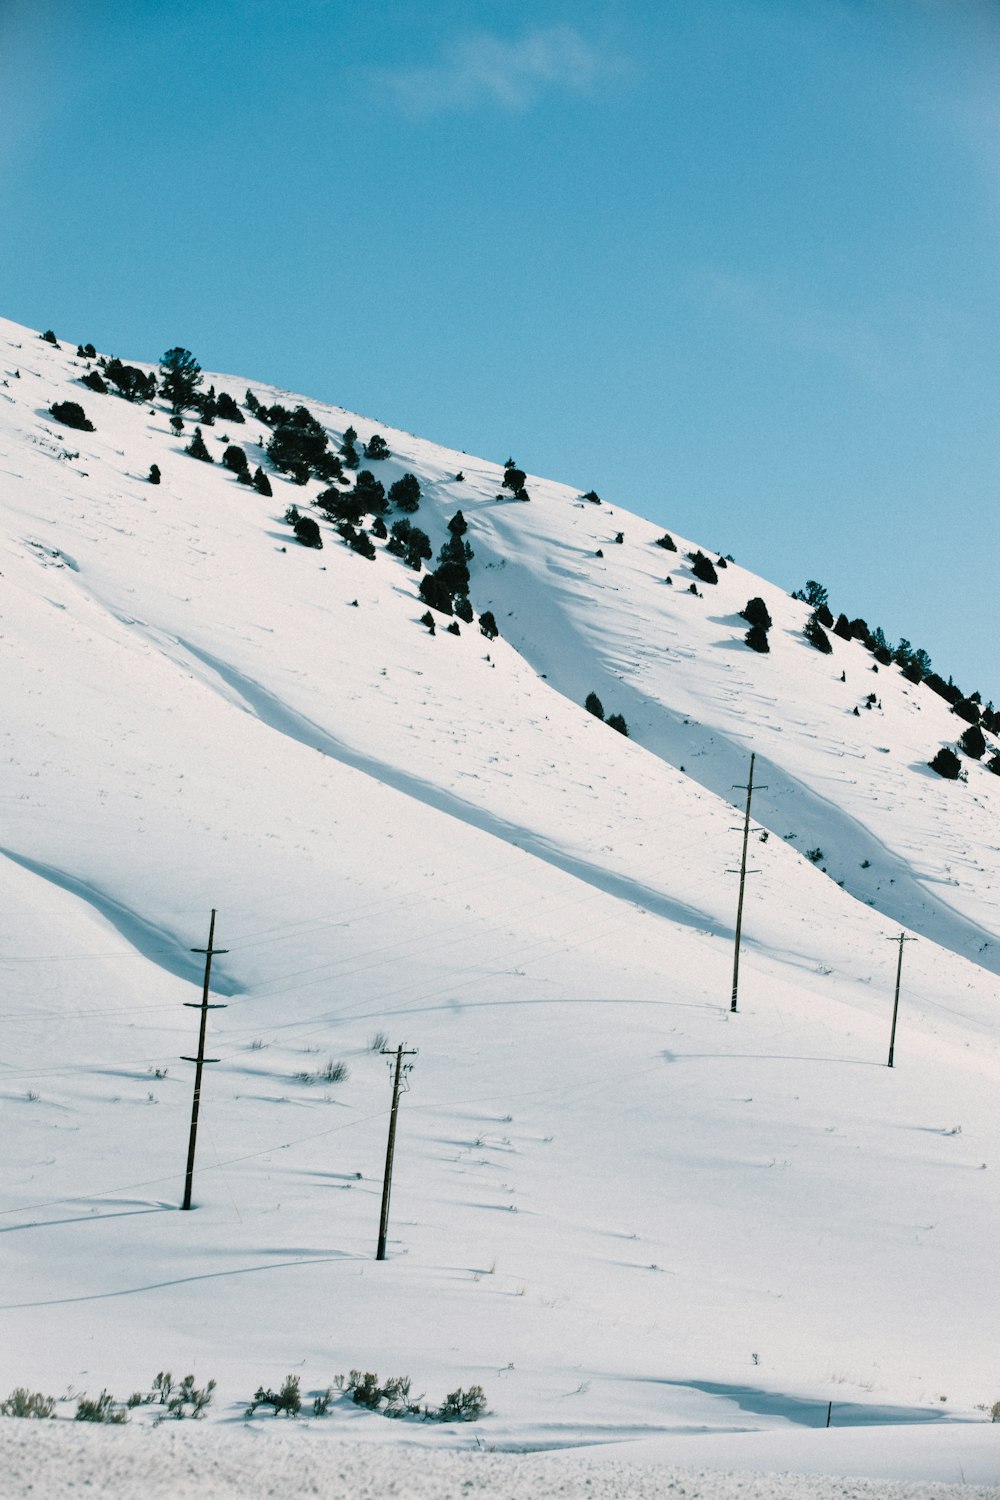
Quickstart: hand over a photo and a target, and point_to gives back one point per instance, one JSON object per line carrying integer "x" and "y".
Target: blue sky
{"x": 733, "y": 263}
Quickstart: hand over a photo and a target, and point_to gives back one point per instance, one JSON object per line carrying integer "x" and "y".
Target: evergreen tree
{"x": 49, "y": 337}
{"x": 307, "y": 532}
{"x": 410, "y": 543}
{"x": 197, "y": 449}
{"x": 71, "y": 414}
{"x": 234, "y": 458}
{"x": 843, "y": 628}
{"x": 177, "y": 423}
{"x": 94, "y": 381}
{"x": 993, "y": 764}
{"x": 154, "y": 473}
{"x": 435, "y": 593}
{"x": 947, "y": 764}
{"x": 665, "y": 541}
{"x": 261, "y": 483}
{"x": 488, "y": 625}
{"x": 968, "y": 710}
{"x": 458, "y": 525}
{"x": 180, "y": 377}
{"x": 755, "y": 613}
{"x": 702, "y": 567}
{"x": 377, "y": 447}
{"x": 816, "y": 635}
{"x": 405, "y": 493}
{"x": 379, "y": 529}
{"x": 130, "y": 382}
{"x": 348, "y": 449}
{"x": 228, "y": 409}
{"x": 615, "y": 721}
{"x": 464, "y": 610}
{"x": 370, "y": 494}
{"x": 298, "y": 444}
{"x": 756, "y": 638}
{"x": 594, "y": 706}
{"x": 973, "y": 742}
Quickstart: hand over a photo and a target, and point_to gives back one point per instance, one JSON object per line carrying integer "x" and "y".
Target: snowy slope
{"x": 616, "y": 1206}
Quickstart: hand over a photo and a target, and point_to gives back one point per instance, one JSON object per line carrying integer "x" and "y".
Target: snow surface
{"x": 629, "y": 1215}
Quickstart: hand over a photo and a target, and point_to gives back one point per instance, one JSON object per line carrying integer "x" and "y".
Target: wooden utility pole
{"x": 201, "y": 1059}
{"x": 743, "y": 881}
{"x": 401, "y": 1069}
{"x": 895, "y": 1005}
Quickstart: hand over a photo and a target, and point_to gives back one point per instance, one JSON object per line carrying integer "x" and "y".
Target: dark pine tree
{"x": 947, "y": 764}
{"x": 154, "y": 473}
{"x": 756, "y": 638}
{"x": 405, "y": 494}
{"x": 615, "y": 721}
{"x": 180, "y": 377}
{"x": 816, "y": 635}
{"x": 755, "y": 613}
{"x": 594, "y": 706}
{"x": 973, "y": 742}
{"x": 197, "y": 449}
{"x": 261, "y": 483}
{"x": 307, "y": 532}
{"x": 71, "y": 414}
{"x": 488, "y": 625}
{"x": 377, "y": 447}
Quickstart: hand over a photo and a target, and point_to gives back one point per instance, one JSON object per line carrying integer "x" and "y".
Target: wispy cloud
{"x": 484, "y": 69}
{"x": 786, "y": 318}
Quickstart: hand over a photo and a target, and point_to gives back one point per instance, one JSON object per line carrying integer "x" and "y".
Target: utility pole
{"x": 743, "y": 881}
{"x": 201, "y": 1059}
{"x": 401, "y": 1069}
{"x": 895, "y": 1006}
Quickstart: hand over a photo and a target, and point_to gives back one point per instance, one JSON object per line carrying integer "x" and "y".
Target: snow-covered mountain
{"x": 618, "y": 1207}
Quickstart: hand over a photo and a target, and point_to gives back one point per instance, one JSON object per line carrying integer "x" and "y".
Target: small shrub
{"x": 454, "y": 629}
{"x": 288, "y": 1399}
{"x": 71, "y": 414}
{"x": 463, "y": 610}
{"x": 335, "y": 1072}
{"x": 428, "y": 619}
{"x": 261, "y": 483}
{"x": 24, "y": 1403}
{"x": 615, "y": 721}
{"x": 154, "y": 473}
{"x": 321, "y": 1403}
{"x": 947, "y": 764}
{"x": 593, "y": 497}
{"x": 49, "y": 337}
{"x": 102, "y": 1408}
{"x": 488, "y": 625}
{"x": 188, "y": 1401}
{"x": 995, "y": 1412}
{"x": 463, "y": 1406}
{"x": 594, "y": 706}
{"x": 815, "y": 855}
{"x": 619, "y": 538}
{"x": 993, "y": 764}
{"x": 667, "y": 542}
{"x": 93, "y": 380}
{"x": 968, "y": 709}
{"x": 377, "y": 1041}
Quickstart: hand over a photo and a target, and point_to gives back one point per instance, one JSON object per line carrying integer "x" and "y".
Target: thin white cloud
{"x": 786, "y": 318}
{"x": 482, "y": 68}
